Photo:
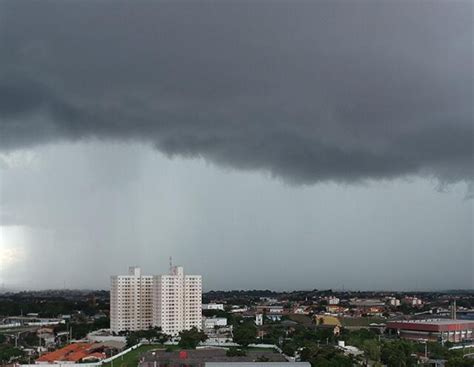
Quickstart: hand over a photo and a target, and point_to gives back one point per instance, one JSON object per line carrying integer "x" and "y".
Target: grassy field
{"x": 131, "y": 359}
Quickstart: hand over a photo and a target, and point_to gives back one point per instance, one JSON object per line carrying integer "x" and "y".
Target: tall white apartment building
{"x": 177, "y": 301}
{"x": 172, "y": 301}
{"x": 131, "y": 301}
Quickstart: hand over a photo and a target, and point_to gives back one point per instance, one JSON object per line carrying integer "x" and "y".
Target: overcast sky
{"x": 283, "y": 145}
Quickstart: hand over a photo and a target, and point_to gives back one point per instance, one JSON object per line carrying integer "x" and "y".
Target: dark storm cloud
{"x": 306, "y": 91}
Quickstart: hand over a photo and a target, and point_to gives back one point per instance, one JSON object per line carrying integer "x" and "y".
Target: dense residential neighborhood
{"x": 320, "y": 327}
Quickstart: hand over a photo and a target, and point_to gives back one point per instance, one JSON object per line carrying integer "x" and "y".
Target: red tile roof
{"x": 72, "y": 353}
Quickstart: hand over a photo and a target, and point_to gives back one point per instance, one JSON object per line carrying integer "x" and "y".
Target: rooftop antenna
{"x": 171, "y": 263}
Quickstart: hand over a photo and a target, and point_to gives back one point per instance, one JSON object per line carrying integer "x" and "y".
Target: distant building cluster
{"x": 240, "y": 326}
{"x": 171, "y": 301}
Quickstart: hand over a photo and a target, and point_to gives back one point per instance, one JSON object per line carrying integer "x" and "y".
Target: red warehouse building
{"x": 443, "y": 330}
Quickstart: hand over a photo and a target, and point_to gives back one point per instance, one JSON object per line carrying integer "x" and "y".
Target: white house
{"x": 213, "y": 306}
{"x": 212, "y": 322}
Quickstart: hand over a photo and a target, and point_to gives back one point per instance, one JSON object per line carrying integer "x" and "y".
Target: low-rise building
{"x": 336, "y": 309}
{"x": 74, "y": 353}
{"x": 268, "y": 299}
{"x": 213, "y": 306}
{"x": 441, "y": 330}
{"x": 412, "y": 301}
{"x": 270, "y": 309}
{"x": 368, "y": 306}
{"x": 238, "y": 309}
{"x": 213, "y": 322}
{"x": 301, "y": 310}
{"x": 274, "y": 316}
{"x": 349, "y": 349}
{"x": 46, "y": 335}
{"x": 392, "y": 301}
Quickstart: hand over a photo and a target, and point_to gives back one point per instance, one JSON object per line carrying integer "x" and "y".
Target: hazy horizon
{"x": 334, "y": 290}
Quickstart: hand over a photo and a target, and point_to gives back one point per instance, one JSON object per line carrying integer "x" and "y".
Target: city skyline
{"x": 277, "y": 145}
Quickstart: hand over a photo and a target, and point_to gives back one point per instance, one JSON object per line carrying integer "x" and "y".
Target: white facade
{"x": 301, "y": 310}
{"x": 131, "y": 301}
{"x": 275, "y": 309}
{"x": 213, "y": 306}
{"x": 413, "y": 301}
{"x": 177, "y": 301}
{"x": 172, "y": 301}
{"x": 392, "y": 301}
{"x": 213, "y": 322}
{"x": 333, "y": 300}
